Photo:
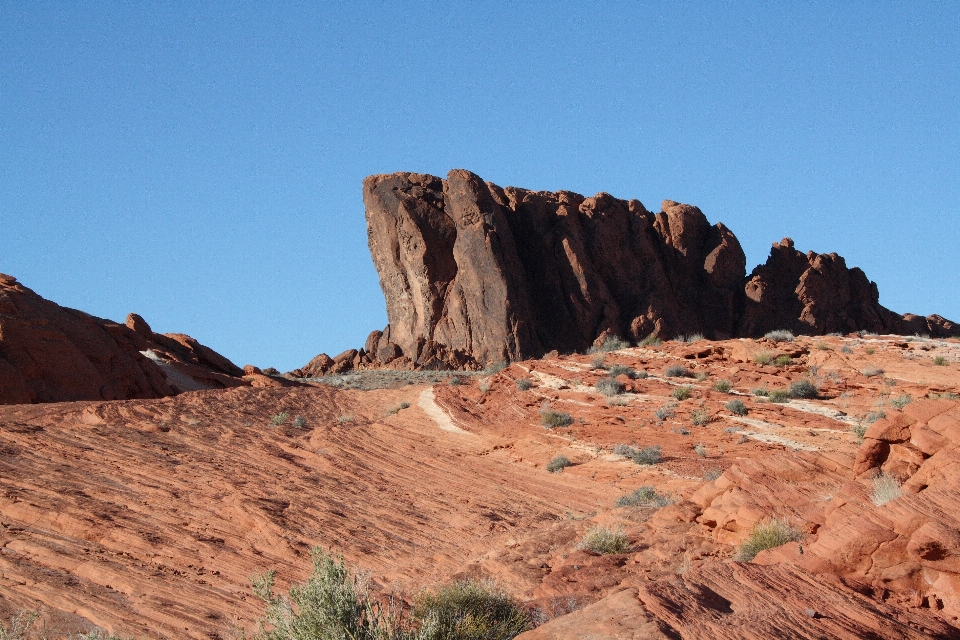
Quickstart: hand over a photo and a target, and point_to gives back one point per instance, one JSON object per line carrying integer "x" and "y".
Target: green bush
{"x": 779, "y": 335}
{"x": 699, "y": 417}
{"x": 802, "y": 389}
{"x": 609, "y": 387}
{"x": 779, "y": 395}
{"x": 467, "y": 610}
{"x": 736, "y": 406}
{"x": 598, "y": 361}
{"x": 553, "y": 419}
{"x": 640, "y": 375}
{"x": 524, "y": 384}
{"x": 624, "y": 450}
{"x": 648, "y": 455}
{"x": 558, "y": 464}
{"x": 859, "y": 430}
{"x": 767, "y": 535}
{"x": 872, "y": 371}
{"x": 299, "y": 422}
{"x": 644, "y": 497}
{"x": 723, "y": 386}
{"x": 677, "y": 371}
{"x": 846, "y": 349}
{"x": 940, "y": 361}
{"x": 682, "y": 393}
{"x": 763, "y": 357}
{"x": 901, "y": 401}
{"x": 651, "y": 341}
{"x": 761, "y": 391}
{"x": 614, "y": 343}
{"x": 663, "y": 413}
{"x": 621, "y": 370}
{"x": 783, "y": 361}
{"x": 605, "y": 541}
{"x": 279, "y": 419}
{"x": 701, "y": 375}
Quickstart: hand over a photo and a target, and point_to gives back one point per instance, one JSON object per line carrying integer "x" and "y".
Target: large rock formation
{"x": 474, "y": 273}
{"x": 49, "y": 353}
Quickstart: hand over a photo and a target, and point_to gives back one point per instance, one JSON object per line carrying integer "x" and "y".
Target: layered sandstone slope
{"x": 475, "y": 273}
{"x": 49, "y": 353}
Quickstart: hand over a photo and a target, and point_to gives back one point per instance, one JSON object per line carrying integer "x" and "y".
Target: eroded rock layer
{"x": 474, "y": 273}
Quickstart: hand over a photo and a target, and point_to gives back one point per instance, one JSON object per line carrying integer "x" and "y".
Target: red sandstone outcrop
{"x": 49, "y": 353}
{"x": 474, "y": 273}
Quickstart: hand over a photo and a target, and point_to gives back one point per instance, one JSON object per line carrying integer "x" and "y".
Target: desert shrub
{"x": 873, "y": 416}
{"x": 712, "y": 474}
{"x": 676, "y": 371}
{"x": 621, "y": 370}
{"x": 299, "y": 422}
{"x": 802, "y": 389}
{"x": 651, "y": 341}
{"x": 700, "y": 450}
{"x": 761, "y": 391}
{"x": 599, "y": 361}
{"x": 344, "y": 419}
{"x": 683, "y": 431}
{"x": 640, "y": 375}
{"x": 609, "y": 387}
{"x": 783, "y": 361}
{"x": 467, "y": 610}
{"x": 846, "y": 349}
{"x": 524, "y": 384}
{"x": 901, "y": 401}
{"x": 605, "y": 541}
{"x": 885, "y": 489}
{"x": 859, "y": 430}
{"x": 779, "y": 335}
{"x": 723, "y": 386}
{"x": 767, "y": 535}
{"x": 682, "y": 393}
{"x": 558, "y": 464}
{"x": 872, "y": 371}
{"x": 648, "y": 455}
{"x": 869, "y": 351}
{"x": 701, "y": 375}
{"x": 96, "y": 634}
{"x": 779, "y": 395}
{"x": 763, "y": 357}
{"x": 397, "y": 409}
{"x": 690, "y": 339}
{"x": 454, "y": 381}
{"x": 20, "y": 625}
{"x": 940, "y": 361}
{"x": 663, "y": 413}
{"x": 644, "y": 497}
{"x": 614, "y": 343}
{"x": 822, "y": 346}
{"x": 617, "y": 401}
{"x": 279, "y": 419}
{"x": 624, "y": 450}
{"x": 736, "y": 406}
{"x": 699, "y": 417}
{"x": 552, "y": 419}
{"x": 496, "y": 367}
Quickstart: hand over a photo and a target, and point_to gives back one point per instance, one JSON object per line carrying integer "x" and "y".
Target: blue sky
{"x": 202, "y": 166}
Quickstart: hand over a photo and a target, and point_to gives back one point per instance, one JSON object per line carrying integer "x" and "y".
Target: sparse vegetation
{"x": 690, "y": 339}
{"x": 712, "y": 474}
{"x": 664, "y": 412}
{"x": 872, "y": 371}
{"x": 682, "y": 393}
{"x": 605, "y": 541}
{"x": 648, "y": 455}
{"x": 612, "y": 343}
{"x": 873, "y": 416}
{"x": 621, "y": 370}
{"x": 20, "y": 625}
{"x": 763, "y": 358}
{"x": 599, "y": 361}
{"x": 780, "y": 335}
{"x": 640, "y": 375}
{"x": 334, "y": 603}
{"x": 558, "y": 464}
{"x": 885, "y": 489}
{"x": 767, "y": 535}
{"x": 846, "y": 349}
{"x": 901, "y": 401}
{"x": 783, "y": 361}
{"x": 552, "y": 419}
{"x": 484, "y": 385}
{"x": 940, "y": 361}
{"x": 496, "y": 367}
{"x": 299, "y": 422}
{"x": 699, "y": 417}
{"x": 700, "y": 450}
{"x": 344, "y": 419}
{"x": 676, "y": 371}
{"x": 723, "y": 386}
{"x": 624, "y": 450}
{"x": 822, "y": 346}
{"x": 804, "y": 388}
{"x": 761, "y": 391}
{"x": 779, "y": 396}
{"x": 279, "y": 419}
{"x": 859, "y": 430}
{"x": 736, "y": 406}
{"x": 523, "y": 384}
{"x": 644, "y": 497}
{"x": 651, "y": 341}
{"x": 397, "y": 409}
{"x": 701, "y": 375}
{"x": 609, "y": 386}
{"x": 869, "y": 351}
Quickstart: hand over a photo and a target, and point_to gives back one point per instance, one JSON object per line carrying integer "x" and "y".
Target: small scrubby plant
{"x": 761, "y": 391}
{"x": 701, "y": 375}
{"x": 767, "y": 535}
{"x": 859, "y": 430}
{"x": 609, "y": 387}
{"x": 940, "y": 361}
{"x": 279, "y": 419}
{"x": 779, "y": 335}
{"x": 640, "y": 375}
{"x": 690, "y": 339}
{"x": 783, "y": 361}
{"x": 700, "y": 450}
{"x": 763, "y": 357}
{"x": 712, "y": 474}
{"x": 20, "y": 625}
{"x": 648, "y": 455}
{"x": 682, "y": 393}
{"x": 558, "y": 464}
{"x": 621, "y": 370}
{"x": 846, "y": 349}
{"x": 624, "y": 450}
{"x": 524, "y": 384}
{"x": 723, "y": 386}
{"x": 699, "y": 417}
{"x": 651, "y": 341}
{"x": 779, "y": 395}
{"x": 663, "y": 413}
{"x": 605, "y": 541}
{"x": 644, "y": 497}
{"x": 736, "y": 406}
{"x": 802, "y": 389}
{"x": 599, "y": 361}
{"x": 552, "y": 419}
{"x": 885, "y": 489}
{"x": 901, "y": 401}
{"x": 872, "y": 371}
{"x": 397, "y": 409}
{"x": 873, "y": 416}
{"x": 676, "y": 371}
{"x": 465, "y": 610}
{"x": 299, "y": 422}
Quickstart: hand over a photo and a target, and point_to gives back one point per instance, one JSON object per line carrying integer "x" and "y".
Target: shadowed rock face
{"x": 50, "y": 353}
{"x": 474, "y": 273}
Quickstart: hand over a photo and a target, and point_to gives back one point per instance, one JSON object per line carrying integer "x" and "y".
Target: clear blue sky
{"x": 203, "y": 166}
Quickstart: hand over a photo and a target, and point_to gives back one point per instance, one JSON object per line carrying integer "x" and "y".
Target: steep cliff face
{"x": 50, "y": 353}
{"x": 474, "y": 272}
